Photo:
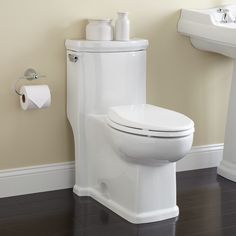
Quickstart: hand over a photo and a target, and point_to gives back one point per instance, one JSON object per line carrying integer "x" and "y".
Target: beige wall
{"x": 32, "y": 35}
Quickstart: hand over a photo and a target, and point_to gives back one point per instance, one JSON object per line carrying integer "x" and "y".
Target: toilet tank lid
{"x": 106, "y": 46}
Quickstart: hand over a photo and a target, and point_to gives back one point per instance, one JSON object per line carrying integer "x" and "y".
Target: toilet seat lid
{"x": 149, "y": 117}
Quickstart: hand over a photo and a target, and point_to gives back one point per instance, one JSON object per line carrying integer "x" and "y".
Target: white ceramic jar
{"x": 122, "y": 27}
{"x": 99, "y": 29}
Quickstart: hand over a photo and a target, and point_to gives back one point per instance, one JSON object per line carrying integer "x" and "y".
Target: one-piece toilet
{"x": 125, "y": 149}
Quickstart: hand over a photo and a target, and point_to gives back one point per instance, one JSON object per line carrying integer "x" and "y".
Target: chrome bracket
{"x": 29, "y": 74}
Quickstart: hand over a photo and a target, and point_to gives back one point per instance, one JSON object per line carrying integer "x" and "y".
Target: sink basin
{"x": 214, "y": 30}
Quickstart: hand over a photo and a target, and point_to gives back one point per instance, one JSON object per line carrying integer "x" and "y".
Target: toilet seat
{"x": 149, "y": 120}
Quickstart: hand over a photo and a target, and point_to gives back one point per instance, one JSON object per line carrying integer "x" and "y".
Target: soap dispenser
{"x": 122, "y": 27}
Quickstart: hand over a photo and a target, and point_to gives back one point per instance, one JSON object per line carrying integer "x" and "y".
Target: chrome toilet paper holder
{"x": 29, "y": 74}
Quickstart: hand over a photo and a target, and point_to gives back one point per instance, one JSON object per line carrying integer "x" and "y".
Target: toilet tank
{"x": 101, "y": 74}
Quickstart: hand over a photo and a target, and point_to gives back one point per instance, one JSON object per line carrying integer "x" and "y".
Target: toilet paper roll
{"x": 35, "y": 97}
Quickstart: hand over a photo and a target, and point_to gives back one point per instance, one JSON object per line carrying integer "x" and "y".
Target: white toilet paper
{"x": 35, "y": 97}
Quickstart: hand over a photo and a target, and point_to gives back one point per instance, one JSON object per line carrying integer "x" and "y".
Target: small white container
{"x": 99, "y": 29}
{"x": 122, "y": 27}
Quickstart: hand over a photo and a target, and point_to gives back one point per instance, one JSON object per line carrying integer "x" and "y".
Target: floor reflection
{"x": 93, "y": 219}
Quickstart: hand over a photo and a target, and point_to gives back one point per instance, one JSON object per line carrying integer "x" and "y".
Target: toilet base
{"x": 147, "y": 217}
{"x": 227, "y": 169}
{"x": 139, "y": 193}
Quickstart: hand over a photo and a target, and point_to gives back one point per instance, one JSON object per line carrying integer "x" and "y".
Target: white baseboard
{"x": 57, "y": 176}
{"x": 201, "y": 157}
{"x": 36, "y": 179}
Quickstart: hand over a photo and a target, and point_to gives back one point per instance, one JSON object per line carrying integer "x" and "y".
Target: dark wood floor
{"x": 207, "y": 205}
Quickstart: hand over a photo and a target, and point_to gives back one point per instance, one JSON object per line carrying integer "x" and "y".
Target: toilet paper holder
{"x": 29, "y": 74}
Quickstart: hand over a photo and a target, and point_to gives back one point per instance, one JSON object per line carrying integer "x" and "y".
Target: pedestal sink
{"x": 214, "y": 30}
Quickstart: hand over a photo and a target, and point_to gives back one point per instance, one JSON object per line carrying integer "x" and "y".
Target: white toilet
{"x": 125, "y": 149}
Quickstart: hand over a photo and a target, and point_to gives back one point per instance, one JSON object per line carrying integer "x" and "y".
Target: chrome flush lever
{"x": 73, "y": 58}
{"x": 227, "y": 17}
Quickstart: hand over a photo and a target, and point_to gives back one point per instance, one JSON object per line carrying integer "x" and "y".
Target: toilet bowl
{"x": 148, "y": 134}
{"x": 125, "y": 150}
